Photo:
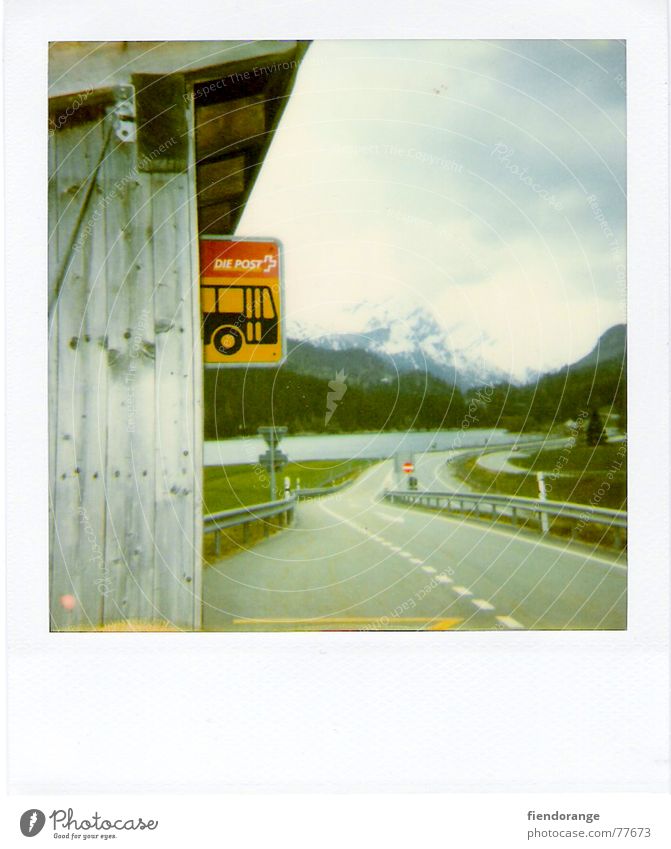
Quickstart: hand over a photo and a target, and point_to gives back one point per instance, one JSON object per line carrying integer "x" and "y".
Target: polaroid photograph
{"x": 389, "y": 395}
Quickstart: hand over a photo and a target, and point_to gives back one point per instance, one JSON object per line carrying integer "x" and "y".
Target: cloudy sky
{"x": 483, "y": 181}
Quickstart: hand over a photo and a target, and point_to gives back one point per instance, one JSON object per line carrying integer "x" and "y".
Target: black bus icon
{"x": 237, "y": 316}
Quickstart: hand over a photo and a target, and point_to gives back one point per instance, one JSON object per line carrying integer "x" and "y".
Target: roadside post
{"x": 273, "y": 458}
{"x": 543, "y": 495}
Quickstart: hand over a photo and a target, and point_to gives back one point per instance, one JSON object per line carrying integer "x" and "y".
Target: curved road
{"x": 352, "y": 562}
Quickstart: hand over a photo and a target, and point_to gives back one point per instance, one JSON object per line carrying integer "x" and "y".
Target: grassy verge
{"x": 228, "y": 487}
{"x": 581, "y": 475}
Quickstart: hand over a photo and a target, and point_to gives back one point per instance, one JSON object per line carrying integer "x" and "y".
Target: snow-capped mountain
{"x": 410, "y": 340}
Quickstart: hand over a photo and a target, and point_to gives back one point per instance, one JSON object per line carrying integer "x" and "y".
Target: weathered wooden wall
{"x": 168, "y": 153}
{"x": 125, "y": 372}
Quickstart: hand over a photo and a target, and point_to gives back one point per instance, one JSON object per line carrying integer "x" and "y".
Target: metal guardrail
{"x": 315, "y": 492}
{"x": 214, "y": 523}
{"x": 491, "y": 506}
{"x": 285, "y": 508}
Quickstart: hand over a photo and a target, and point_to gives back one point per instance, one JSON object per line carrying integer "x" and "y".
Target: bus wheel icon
{"x": 32, "y": 822}
{"x": 227, "y": 340}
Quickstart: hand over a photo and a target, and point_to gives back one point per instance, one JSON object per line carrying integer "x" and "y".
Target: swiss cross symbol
{"x": 270, "y": 262}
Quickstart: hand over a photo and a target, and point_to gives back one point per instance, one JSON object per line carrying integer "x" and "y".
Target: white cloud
{"x": 381, "y": 181}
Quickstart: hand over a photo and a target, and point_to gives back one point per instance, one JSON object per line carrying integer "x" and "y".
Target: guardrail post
{"x": 217, "y": 543}
{"x": 514, "y": 515}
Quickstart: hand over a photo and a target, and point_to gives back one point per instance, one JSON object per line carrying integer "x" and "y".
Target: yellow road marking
{"x": 438, "y": 624}
{"x": 445, "y": 624}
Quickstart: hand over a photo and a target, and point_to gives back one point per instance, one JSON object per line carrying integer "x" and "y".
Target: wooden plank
{"x": 120, "y": 186}
{"x": 73, "y": 593}
{"x": 91, "y": 382}
{"x": 141, "y": 413}
{"x": 227, "y": 127}
{"x": 52, "y": 366}
{"x": 175, "y": 497}
{"x": 221, "y": 180}
{"x": 197, "y": 378}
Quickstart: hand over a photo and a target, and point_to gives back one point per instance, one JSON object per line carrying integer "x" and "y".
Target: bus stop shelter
{"x": 150, "y": 144}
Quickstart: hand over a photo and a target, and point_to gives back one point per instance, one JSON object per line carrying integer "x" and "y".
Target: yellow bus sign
{"x": 241, "y": 301}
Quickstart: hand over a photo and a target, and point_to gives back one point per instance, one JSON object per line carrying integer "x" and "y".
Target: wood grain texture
{"x": 124, "y": 390}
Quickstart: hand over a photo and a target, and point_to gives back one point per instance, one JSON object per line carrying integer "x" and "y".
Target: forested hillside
{"x": 371, "y": 395}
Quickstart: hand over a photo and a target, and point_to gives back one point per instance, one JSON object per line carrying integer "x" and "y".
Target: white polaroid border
{"x": 462, "y": 712}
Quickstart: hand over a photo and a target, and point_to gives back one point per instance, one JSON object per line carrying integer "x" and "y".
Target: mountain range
{"x": 384, "y": 345}
{"x": 378, "y": 393}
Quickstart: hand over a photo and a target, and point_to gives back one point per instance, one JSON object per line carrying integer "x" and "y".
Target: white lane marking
{"x": 481, "y": 604}
{"x": 463, "y": 591}
{"x": 515, "y": 536}
{"x": 396, "y": 548}
{"x": 443, "y": 579}
{"x": 511, "y": 536}
{"x": 406, "y": 554}
{"x": 428, "y": 569}
{"x": 511, "y": 623}
{"x": 389, "y": 518}
{"x": 416, "y": 561}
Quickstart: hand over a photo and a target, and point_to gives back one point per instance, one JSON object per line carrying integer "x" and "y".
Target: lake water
{"x": 368, "y": 446}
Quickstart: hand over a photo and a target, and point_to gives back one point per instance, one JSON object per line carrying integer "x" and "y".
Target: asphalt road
{"x": 352, "y": 562}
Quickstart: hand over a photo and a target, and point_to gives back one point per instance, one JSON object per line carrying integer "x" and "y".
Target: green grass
{"x": 588, "y": 483}
{"x": 227, "y": 487}
{"x": 579, "y": 459}
{"x": 583, "y": 476}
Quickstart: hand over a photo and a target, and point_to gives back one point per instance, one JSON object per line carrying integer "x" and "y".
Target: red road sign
{"x": 408, "y": 468}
